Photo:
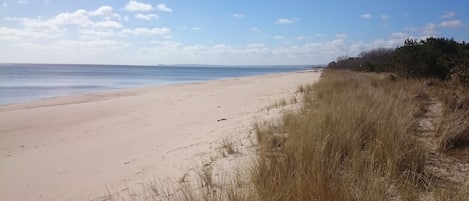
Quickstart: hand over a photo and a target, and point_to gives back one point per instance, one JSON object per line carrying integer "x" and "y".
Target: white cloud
{"x": 185, "y": 27}
{"x": 400, "y": 35}
{"x": 221, "y": 47}
{"x": 134, "y": 6}
{"x": 107, "y": 24}
{"x": 448, "y": 14}
{"x": 4, "y": 4}
{"x": 90, "y": 34}
{"x": 256, "y": 53}
{"x": 285, "y": 21}
{"x": 366, "y": 16}
{"x": 148, "y": 32}
{"x": 451, "y": 24}
{"x": 279, "y": 37}
{"x": 255, "y": 45}
{"x": 81, "y": 18}
{"x": 304, "y": 38}
{"x": 18, "y": 34}
{"x": 384, "y": 17}
{"x": 86, "y": 45}
{"x": 64, "y": 25}
{"x": 430, "y": 26}
{"x": 12, "y": 18}
{"x": 74, "y": 46}
{"x": 103, "y": 10}
{"x": 163, "y": 7}
{"x": 146, "y": 16}
{"x": 341, "y": 35}
{"x": 78, "y": 17}
{"x": 106, "y": 12}
{"x": 168, "y": 44}
{"x": 70, "y": 51}
{"x": 255, "y": 29}
{"x": 236, "y": 15}
{"x": 429, "y": 29}
{"x": 23, "y": 2}
{"x": 320, "y": 35}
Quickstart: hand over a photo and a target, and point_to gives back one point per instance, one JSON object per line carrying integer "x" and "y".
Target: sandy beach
{"x": 74, "y": 148}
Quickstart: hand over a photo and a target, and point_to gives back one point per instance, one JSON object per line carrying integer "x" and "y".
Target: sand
{"x": 74, "y": 148}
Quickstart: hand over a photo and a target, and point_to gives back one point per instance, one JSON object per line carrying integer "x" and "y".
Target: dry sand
{"x": 74, "y": 148}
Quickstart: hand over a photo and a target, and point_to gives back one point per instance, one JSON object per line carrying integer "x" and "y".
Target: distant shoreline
{"x": 180, "y": 65}
{"x": 105, "y": 94}
{"x": 21, "y": 83}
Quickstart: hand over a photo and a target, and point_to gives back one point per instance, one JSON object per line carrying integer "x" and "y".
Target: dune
{"x": 76, "y": 147}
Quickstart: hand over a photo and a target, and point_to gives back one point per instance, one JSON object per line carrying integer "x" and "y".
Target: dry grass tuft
{"x": 452, "y": 192}
{"x": 351, "y": 141}
{"x": 454, "y": 127}
{"x": 228, "y": 147}
{"x": 278, "y": 104}
{"x": 454, "y": 131}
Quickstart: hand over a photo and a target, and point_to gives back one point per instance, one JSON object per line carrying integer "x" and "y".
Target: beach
{"x": 76, "y": 147}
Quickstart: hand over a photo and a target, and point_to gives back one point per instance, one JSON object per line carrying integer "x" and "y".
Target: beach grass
{"x": 352, "y": 140}
{"x": 453, "y": 130}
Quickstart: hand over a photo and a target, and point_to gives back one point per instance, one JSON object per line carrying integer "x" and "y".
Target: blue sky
{"x": 236, "y": 32}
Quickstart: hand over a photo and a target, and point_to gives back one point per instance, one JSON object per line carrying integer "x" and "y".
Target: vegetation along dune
{"x": 266, "y": 100}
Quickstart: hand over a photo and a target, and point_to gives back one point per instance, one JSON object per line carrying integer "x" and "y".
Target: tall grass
{"x": 453, "y": 192}
{"x": 454, "y": 127}
{"x": 352, "y": 140}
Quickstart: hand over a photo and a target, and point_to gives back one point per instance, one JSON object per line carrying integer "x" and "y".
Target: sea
{"x": 29, "y": 82}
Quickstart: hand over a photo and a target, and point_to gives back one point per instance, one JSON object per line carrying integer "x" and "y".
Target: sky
{"x": 218, "y": 32}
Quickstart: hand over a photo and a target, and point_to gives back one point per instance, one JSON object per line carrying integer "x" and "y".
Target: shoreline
{"x": 110, "y": 91}
{"x": 69, "y": 80}
{"x": 75, "y": 147}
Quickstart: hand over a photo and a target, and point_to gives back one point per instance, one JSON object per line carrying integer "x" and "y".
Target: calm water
{"x": 27, "y": 82}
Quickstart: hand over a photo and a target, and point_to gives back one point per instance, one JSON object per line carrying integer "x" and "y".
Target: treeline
{"x": 440, "y": 58}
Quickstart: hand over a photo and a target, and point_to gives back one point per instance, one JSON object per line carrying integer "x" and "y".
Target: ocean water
{"x": 28, "y": 82}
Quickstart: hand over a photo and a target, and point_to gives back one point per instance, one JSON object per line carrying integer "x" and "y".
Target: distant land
{"x": 180, "y": 65}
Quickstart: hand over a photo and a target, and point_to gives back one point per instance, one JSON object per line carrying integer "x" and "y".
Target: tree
{"x": 434, "y": 57}
{"x": 377, "y": 60}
